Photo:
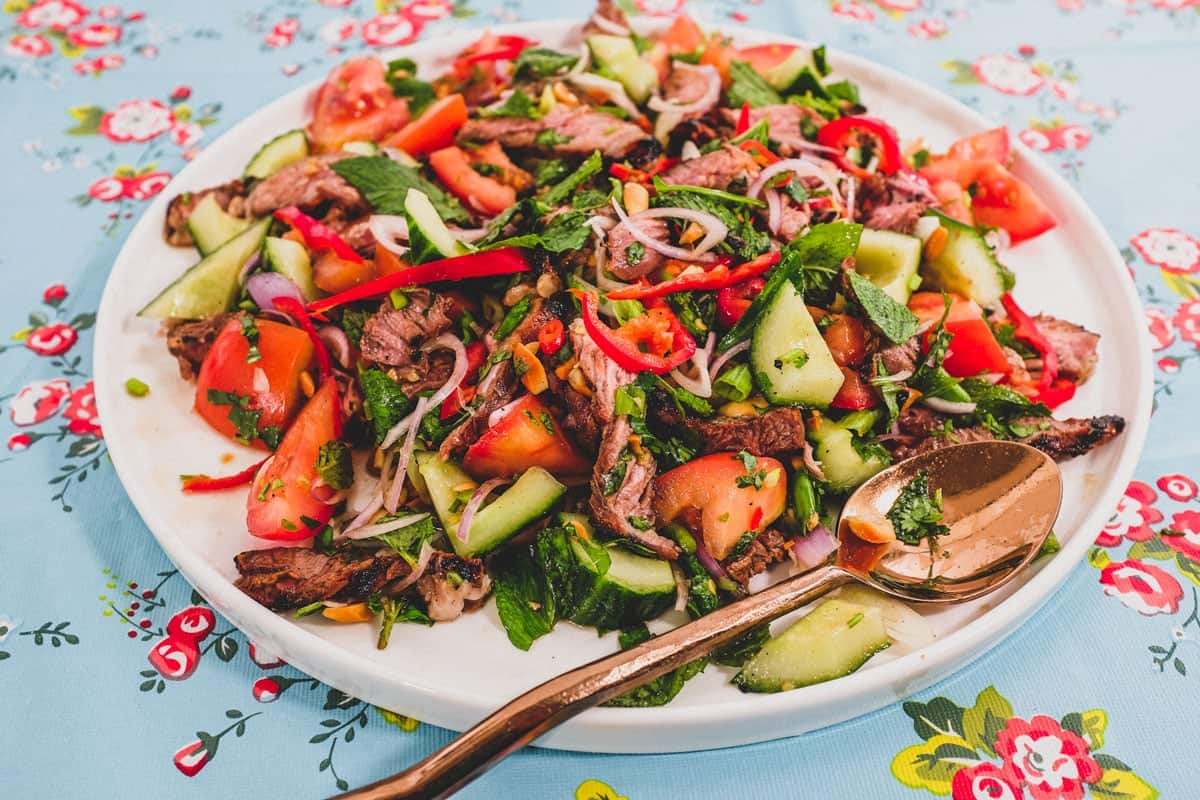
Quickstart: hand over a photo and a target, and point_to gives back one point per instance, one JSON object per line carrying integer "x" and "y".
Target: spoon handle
{"x": 525, "y": 718}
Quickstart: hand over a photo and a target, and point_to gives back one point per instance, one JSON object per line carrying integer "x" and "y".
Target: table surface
{"x": 1096, "y": 696}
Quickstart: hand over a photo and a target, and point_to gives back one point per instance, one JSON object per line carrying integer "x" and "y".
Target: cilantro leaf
{"x": 402, "y": 77}
{"x": 333, "y": 464}
{"x": 384, "y": 402}
{"x": 747, "y": 86}
{"x": 518, "y": 104}
{"x": 385, "y": 183}
{"x": 891, "y": 319}
{"x": 917, "y": 512}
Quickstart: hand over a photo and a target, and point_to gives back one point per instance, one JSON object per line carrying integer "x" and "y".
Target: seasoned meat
{"x": 230, "y": 196}
{"x": 610, "y": 11}
{"x": 698, "y": 130}
{"x": 644, "y": 154}
{"x": 618, "y": 508}
{"x": 1068, "y": 438}
{"x": 770, "y": 547}
{"x": 784, "y": 124}
{"x": 879, "y": 205}
{"x": 901, "y": 357}
{"x": 780, "y": 430}
{"x": 497, "y": 388}
{"x": 684, "y": 86}
{"x": 189, "y": 341}
{"x": 307, "y": 183}
{"x": 573, "y": 409}
{"x": 618, "y": 241}
{"x": 392, "y": 335}
{"x": 601, "y": 372}
{"x": 451, "y": 584}
{"x": 355, "y": 231}
{"x": 578, "y": 132}
{"x": 793, "y": 219}
{"x": 715, "y": 170}
{"x": 282, "y": 578}
{"x": 1074, "y": 345}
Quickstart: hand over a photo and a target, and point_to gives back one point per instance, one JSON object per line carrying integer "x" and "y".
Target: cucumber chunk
{"x": 361, "y": 148}
{"x": 426, "y": 229}
{"x": 889, "y": 260}
{"x": 210, "y": 286}
{"x": 782, "y": 75}
{"x": 531, "y": 497}
{"x": 908, "y": 630}
{"x": 618, "y": 56}
{"x": 626, "y": 590}
{"x": 212, "y": 226}
{"x": 286, "y": 148}
{"x": 790, "y": 359}
{"x": 290, "y": 259}
{"x": 844, "y": 466}
{"x": 831, "y": 641}
{"x": 966, "y": 265}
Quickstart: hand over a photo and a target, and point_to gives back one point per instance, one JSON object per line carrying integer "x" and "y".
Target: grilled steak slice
{"x": 698, "y": 130}
{"x": 1060, "y": 438}
{"x": 780, "y": 430}
{"x": 307, "y": 183}
{"x": 770, "y": 547}
{"x": 190, "y": 340}
{"x": 578, "y": 132}
{"x": 282, "y": 578}
{"x": 447, "y": 597}
{"x": 1074, "y": 345}
{"x": 230, "y": 196}
{"x": 879, "y": 205}
{"x": 392, "y": 335}
{"x": 785, "y": 123}
{"x": 683, "y": 87}
{"x": 614, "y": 508}
{"x": 715, "y": 170}
{"x": 601, "y": 372}
{"x": 901, "y": 357}
{"x": 619, "y": 239}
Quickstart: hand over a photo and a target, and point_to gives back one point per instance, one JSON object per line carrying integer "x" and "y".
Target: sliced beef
{"x": 684, "y": 86}
{"x": 901, "y": 357}
{"x": 451, "y": 584}
{"x": 579, "y": 131}
{"x": 715, "y": 170}
{"x": 1074, "y": 345}
{"x": 900, "y": 217}
{"x": 619, "y": 239}
{"x": 307, "y": 183}
{"x": 769, "y": 548}
{"x": 699, "y": 130}
{"x": 601, "y": 372}
{"x": 878, "y": 204}
{"x": 282, "y": 578}
{"x": 190, "y": 340}
{"x": 784, "y": 124}
{"x": 230, "y": 196}
{"x": 631, "y": 499}
{"x": 1060, "y": 438}
{"x": 780, "y": 430}
{"x": 392, "y": 335}
{"x": 573, "y": 409}
{"x": 1069, "y": 438}
{"x": 793, "y": 219}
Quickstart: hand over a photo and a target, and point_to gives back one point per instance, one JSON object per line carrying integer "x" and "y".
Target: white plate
{"x": 452, "y": 675}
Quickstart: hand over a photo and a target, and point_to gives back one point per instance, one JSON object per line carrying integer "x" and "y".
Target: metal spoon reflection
{"x": 1000, "y": 501}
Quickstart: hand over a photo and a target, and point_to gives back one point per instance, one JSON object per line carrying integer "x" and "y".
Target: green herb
{"x": 931, "y": 378}
{"x": 402, "y": 77}
{"x": 615, "y": 111}
{"x": 796, "y": 358}
{"x": 288, "y": 525}
{"x": 946, "y": 431}
{"x": 385, "y": 183}
{"x": 630, "y": 401}
{"x": 384, "y": 402}
{"x": 845, "y": 91}
{"x": 560, "y": 192}
{"x": 806, "y": 501}
{"x": 587, "y": 199}
{"x": 743, "y": 544}
{"x": 857, "y": 618}
{"x": 398, "y": 299}
{"x": 660, "y": 188}
{"x": 532, "y": 586}
{"x": 1004, "y": 411}
{"x": 250, "y": 331}
{"x": 547, "y": 422}
{"x": 244, "y": 418}
{"x": 747, "y": 86}
{"x": 398, "y": 609}
{"x": 748, "y": 459}
{"x": 323, "y": 541}
{"x": 271, "y": 435}
{"x": 697, "y": 311}
{"x": 566, "y": 232}
{"x": 632, "y": 637}
{"x": 819, "y": 61}
{"x": 684, "y": 400}
{"x": 353, "y": 320}
{"x": 917, "y": 512}
{"x": 735, "y": 383}
{"x": 640, "y": 523}
{"x": 550, "y": 170}
{"x": 1051, "y": 545}
{"x": 797, "y": 191}
{"x": 758, "y": 132}
{"x": 612, "y": 480}
{"x": 311, "y": 608}
{"x": 551, "y": 138}
{"x": 518, "y": 104}
{"x": 541, "y": 62}
{"x": 920, "y": 158}
{"x": 487, "y": 170}
{"x": 745, "y": 239}
{"x": 407, "y": 541}
{"x": 893, "y": 320}
{"x": 269, "y": 488}
{"x": 634, "y": 253}
{"x": 513, "y": 317}
{"x": 136, "y": 388}
{"x": 333, "y": 464}
{"x": 662, "y": 689}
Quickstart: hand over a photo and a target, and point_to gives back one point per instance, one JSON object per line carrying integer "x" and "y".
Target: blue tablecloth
{"x": 1097, "y": 695}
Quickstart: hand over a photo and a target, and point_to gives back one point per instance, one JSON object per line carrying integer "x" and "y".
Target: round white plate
{"x": 454, "y": 674}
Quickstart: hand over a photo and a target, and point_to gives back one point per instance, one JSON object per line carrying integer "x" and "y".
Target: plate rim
{"x": 599, "y": 729}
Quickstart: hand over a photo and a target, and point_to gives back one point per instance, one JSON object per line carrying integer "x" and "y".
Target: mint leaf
{"x": 385, "y": 183}
{"x": 891, "y": 319}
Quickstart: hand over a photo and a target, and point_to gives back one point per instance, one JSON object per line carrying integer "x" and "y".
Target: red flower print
{"x": 54, "y": 14}
{"x": 108, "y": 12}
{"x": 52, "y": 340}
{"x": 338, "y": 30}
{"x": 659, "y": 8}
{"x": 1168, "y": 365}
{"x": 898, "y": 5}
{"x": 1160, "y": 327}
{"x": 1071, "y": 5}
{"x": 191, "y": 758}
{"x": 287, "y": 27}
{"x": 107, "y": 189}
{"x": 430, "y": 10}
{"x": 390, "y": 30}
{"x": 180, "y": 93}
{"x": 1133, "y": 517}
{"x": 336, "y": 3}
{"x": 98, "y": 34}
{"x": 194, "y": 623}
{"x": 928, "y": 29}
{"x": 264, "y": 658}
{"x": 266, "y": 690}
{"x": 186, "y": 134}
{"x": 1040, "y": 139}
{"x": 19, "y": 441}
{"x": 1170, "y": 249}
{"x": 1178, "y": 487}
{"x": 55, "y": 293}
{"x": 81, "y": 411}
{"x": 137, "y": 121}
{"x": 1145, "y": 588}
{"x": 34, "y": 46}
{"x": 1187, "y": 321}
{"x": 1074, "y": 137}
{"x": 277, "y": 40}
{"x": 984, "y": 781}
{"x": 1052, "y": 762}
{"x": 1187, "y": 545}
{"x": 38, "y": 401}
{"x": 1007, "y": 74}
{"x": 1174, "y": 5}
{"x": 146, "y": 186}
{"x": 853, "y": 10}
{"x": 175, "y": 658}
{"x": 1064, "y": 90}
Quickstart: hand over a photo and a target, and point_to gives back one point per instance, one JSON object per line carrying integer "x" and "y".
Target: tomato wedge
{"x": 269, "y": 385}
{"x": 973, "y": 346}
{"x": 281, "y": 505}
{"x": 526, "y": 436}
{"x": 855, "y": 394}
{"x": 992, "y": 144}
{"x": 478, "y": 191}
{"x": 355, "y": 104}
{"x": 765, "y": 56}
{"x": 434, "y": 129}
{"x": 1001, "y": 200}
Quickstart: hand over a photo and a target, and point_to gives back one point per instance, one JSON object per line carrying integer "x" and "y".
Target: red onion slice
{"x": 501, "y": 412}
{"x": 944, "y": 406}
{"x": 701, "y": 385}
{"x": 477, "y": 498}
{"x": 264, "y": 287}
{"x": 337, "y": 342}
{"x": 423, "y": 559}
{"x": 608, "y": 26}
{"x": 609, "y": 89}
{"x": 681, "y": 587}
{"x": 774, "y": 210}
{"x": 715, "y": 230}
{"x": 851, "y": 195}
{"x": 389, "y": 230}
{"x": 449, "y": 342}
{"x": 363, "y": 516}
{"x": 812, "y": 550}
{"x": 710, "y": 564}
{"x": 810, "y": 461}
{"x": 250, "y": 265}
{"x": 723, "y": 359}
{"x": 582, "y": 63}
{"x": 600, "y": 226}
{"x": 797, "y": 166}
{"x": 712, "y": 92}
{"x": 902, "y": 375}
{"x": 392, "y": 499}
{"x": 367, "y": 531}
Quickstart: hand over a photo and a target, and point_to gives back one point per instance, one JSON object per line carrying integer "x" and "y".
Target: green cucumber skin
{"x": 785, "y": 326}
{"x": 605, "y": 604}
{"x": 966, "y": 266}
{"x": 286, "y": 148}
{"x": 900, "y": 252}
{"x": 211, "y": 226}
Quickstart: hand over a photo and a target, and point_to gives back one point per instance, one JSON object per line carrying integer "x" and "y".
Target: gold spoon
{"x": 1000, "y": 500}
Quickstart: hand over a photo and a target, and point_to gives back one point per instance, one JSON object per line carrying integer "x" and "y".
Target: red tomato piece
{"x": 355, "y": 104}
{"x": 846, "y": 338}
{"x": 993, "y": 144}
{"x": 271, "y": 384}
{"x": 953, "y": 201}
{"x": 333, "y": 274}
{"x": 855, "y": 394}
{"x": 281, "y": 505}
{"x": 526, "y": 436}
{"x": 1002, "y": 200}
{"x": 973, "y": 346}
{"x": 434, "y": 129}
{"x": 478, "y": 191}
{"x": 684, "y": 35}
{"x": 765, "y": 56}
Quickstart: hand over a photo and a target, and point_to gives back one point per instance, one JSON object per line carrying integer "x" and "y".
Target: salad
{"x": 605, "y": 333}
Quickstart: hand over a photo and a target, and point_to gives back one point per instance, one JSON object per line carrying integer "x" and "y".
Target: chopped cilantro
{"x": 136, "y": 388}
{"x": 244, "y": 418}
{"x": 796, "y": 358}
{"x": 518, "y": 104}
{"x": 634, "y": 253}
{"x": 640, "y": 523}
{"x": 384, "y": 402}
{"x": 334, "y": 466}
{"x": 250, "y": 331}
{"x": 917, "y": 512}
{"x": 402, "y": 77}
{"x": 551, "y": 138}
{"x": 541, "y": 62}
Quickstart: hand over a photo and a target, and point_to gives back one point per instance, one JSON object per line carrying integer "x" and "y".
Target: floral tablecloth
{"x": 1096, "y": 696}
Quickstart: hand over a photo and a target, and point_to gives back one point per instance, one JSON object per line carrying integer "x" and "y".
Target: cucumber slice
{"x": 889, "y": 260}
{"x": 843, "y": 465}
{"x": 907, "y": 629}
{"x": 790, "y": 360}
{"x": 618, "y": 56}
{"x": 784, "y": 74}
{"x": 626, "y": 590}
{"x": 286, "y": 148}
{"x": 291, "y": 260}
{"x": 966, "y": 265}
{"x": 426, "y": 230}
{"x": 361, "y": 148}
{"x": 831, "y": 641}
{"x": 210, "y": 286}
{"x": 531, "y": 497}
{"x": 212, "y": 226}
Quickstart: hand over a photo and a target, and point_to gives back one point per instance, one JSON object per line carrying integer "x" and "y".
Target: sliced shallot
{"x": 681, "y": 587}
{"x": 774, "y": 210}
{"x": 423, "y": 559}
{"x": 392, "y": 498}
{"x": 264, "y": 287}
{"x": 712, "y": 92}
{"x": 608, "y": 26}
{"x": 797, "y": 166}
{"x": 389, "y": 231}
{"x": 715, "y": 230}
{"x": 449, "y": 342}
{"x": 723, "y": 359}
{"x": 473, "y": 505}
{"x": 944, "y": 406}
{"x": 367, "y": 531}
{"x": 701, "y": 385}
{"x": 811, "y": 550}
{"x": 608, "y": 89}
{"x": 337, "y": 342}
